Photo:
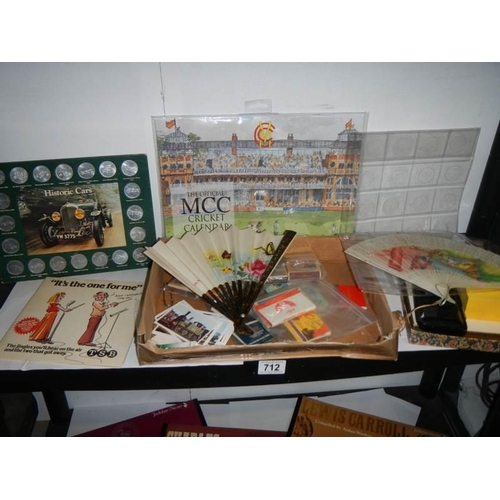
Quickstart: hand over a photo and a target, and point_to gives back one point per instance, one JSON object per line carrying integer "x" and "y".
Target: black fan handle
{"x": 256, "y": 286}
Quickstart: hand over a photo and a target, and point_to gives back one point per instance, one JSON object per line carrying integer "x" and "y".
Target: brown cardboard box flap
{"x": 366, "y": 343}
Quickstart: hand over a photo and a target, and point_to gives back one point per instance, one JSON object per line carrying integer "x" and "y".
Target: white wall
{"x": 58, "y": 110}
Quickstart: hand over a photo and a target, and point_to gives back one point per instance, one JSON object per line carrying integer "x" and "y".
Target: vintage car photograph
{"x": 72, "y": 218}
{"x": 83, "y": 218}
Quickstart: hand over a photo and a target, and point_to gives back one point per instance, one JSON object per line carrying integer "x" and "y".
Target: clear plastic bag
{"x": 332, "y": 316}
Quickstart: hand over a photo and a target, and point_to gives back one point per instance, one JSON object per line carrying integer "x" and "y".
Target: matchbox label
{"x": 283, "y": 306}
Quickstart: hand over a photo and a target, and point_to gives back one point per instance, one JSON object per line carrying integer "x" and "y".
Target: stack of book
{"x": 308, "y": 417}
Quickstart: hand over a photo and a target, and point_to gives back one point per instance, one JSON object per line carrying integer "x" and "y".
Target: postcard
{"x": 192, "y": 325}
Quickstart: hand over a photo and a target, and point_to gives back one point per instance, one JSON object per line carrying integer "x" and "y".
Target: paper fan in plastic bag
{"x": 226, "y": 268}
{"x": 433, "y": 263}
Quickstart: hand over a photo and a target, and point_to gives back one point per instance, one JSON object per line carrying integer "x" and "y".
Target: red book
{"x": 151, "y": 424}
{"x": 183, "y": 430}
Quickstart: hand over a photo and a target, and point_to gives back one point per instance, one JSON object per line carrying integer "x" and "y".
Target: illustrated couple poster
{"x": 75, "y": 321}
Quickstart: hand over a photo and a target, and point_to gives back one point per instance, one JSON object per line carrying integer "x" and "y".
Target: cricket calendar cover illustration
{"x": 272, "y": 172}
{"x": 75, "y": 321}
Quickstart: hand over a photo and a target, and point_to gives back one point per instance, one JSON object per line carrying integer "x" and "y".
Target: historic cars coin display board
{"x": 74, "y": 216}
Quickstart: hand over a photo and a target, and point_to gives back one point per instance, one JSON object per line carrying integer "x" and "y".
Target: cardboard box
{"x": 367, "y": 343}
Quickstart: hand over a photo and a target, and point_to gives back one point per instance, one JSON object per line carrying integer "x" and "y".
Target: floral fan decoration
{"x": 227, "y": 268}
{"x": 433, "y": 263}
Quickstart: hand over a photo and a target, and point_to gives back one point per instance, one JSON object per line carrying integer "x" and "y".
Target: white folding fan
{"x": 227, "y": 268}
{"x": 433, "y": 263}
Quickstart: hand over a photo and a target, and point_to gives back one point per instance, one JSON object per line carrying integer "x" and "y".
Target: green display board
{"x": 74, "y": 216}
